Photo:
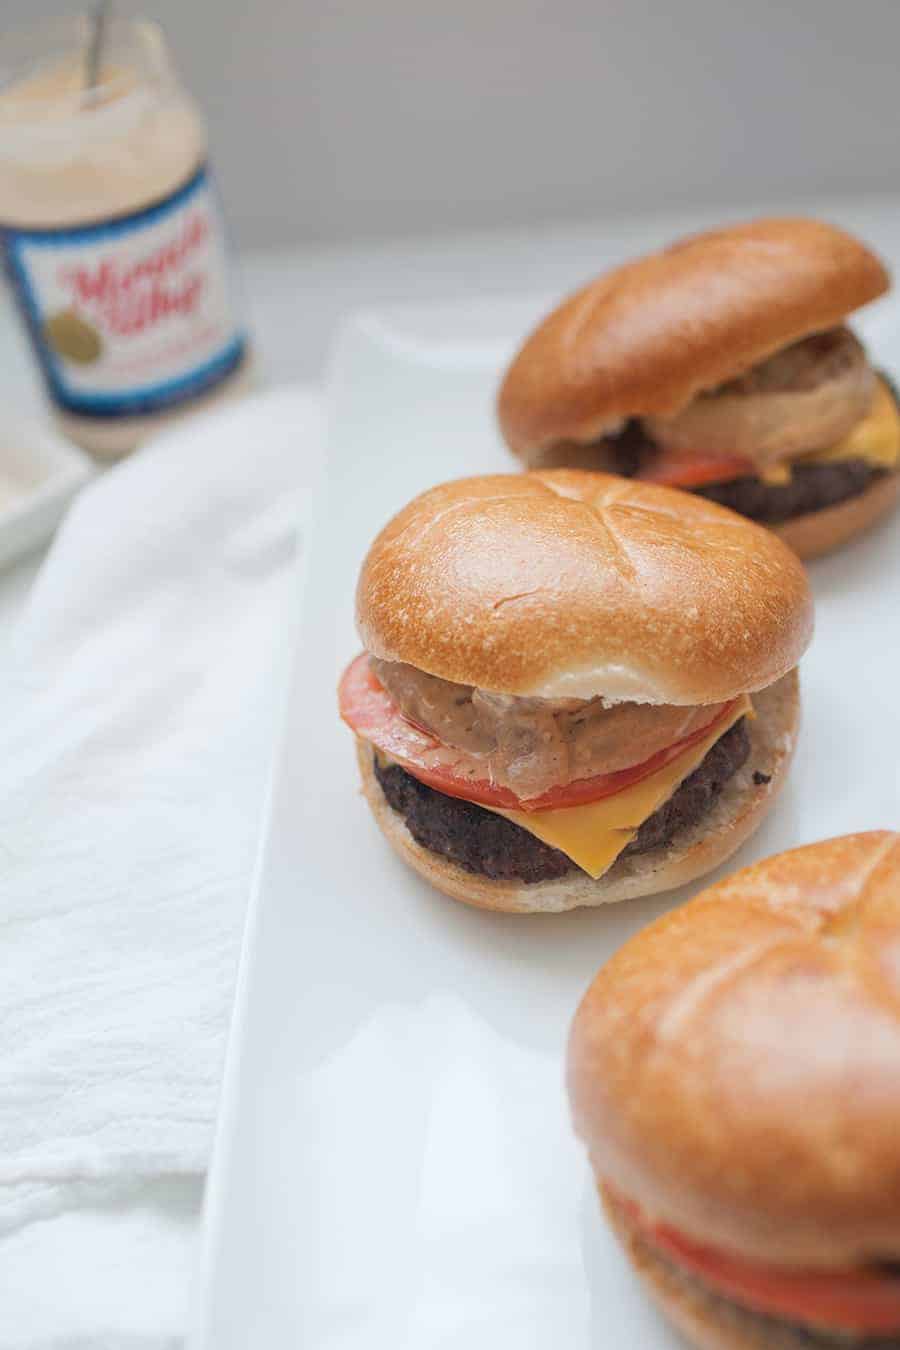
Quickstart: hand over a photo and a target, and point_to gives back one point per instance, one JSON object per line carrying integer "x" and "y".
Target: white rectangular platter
{"x": 395, "y": 1168}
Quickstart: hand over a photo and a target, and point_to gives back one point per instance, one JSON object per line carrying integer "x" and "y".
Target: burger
{"x": 722, "y": 365}
{"x": 735, "y": 1074}
{"x": 574, "y": 688}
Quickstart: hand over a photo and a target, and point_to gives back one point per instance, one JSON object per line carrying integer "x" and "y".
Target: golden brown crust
{"x": 735, "y": 1068}
{"x": 708, "y": 1321}
{"x": 738, "y": 812}
{"x": 569, "y": 584}
{"x": 646, "y": 337}
{"x": 809, "y": 536}
{"x": 821, "y": 532}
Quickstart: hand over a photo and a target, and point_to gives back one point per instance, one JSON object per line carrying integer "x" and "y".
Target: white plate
{"x": 394, "y": 1167}
{"x": 40, "y": 473}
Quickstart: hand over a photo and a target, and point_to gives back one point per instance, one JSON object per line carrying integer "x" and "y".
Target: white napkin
{"x": 137, "y": 731}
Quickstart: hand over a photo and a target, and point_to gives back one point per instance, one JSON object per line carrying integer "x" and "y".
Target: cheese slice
{"x": 776, "y": 474}
{"x": 595, "y": 834}
{"x": 876, "y": 439}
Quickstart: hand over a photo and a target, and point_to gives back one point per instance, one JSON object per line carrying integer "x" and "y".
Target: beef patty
{"x": 812, "y": 486}
{"x": 483, "y": 842}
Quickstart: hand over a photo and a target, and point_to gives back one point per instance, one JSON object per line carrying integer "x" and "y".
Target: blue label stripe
{"x": 123, "y": 403}
{"x": 154, "y": 397}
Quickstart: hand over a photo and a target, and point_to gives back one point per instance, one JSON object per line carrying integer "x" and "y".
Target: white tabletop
{"x": 296, "y": 299}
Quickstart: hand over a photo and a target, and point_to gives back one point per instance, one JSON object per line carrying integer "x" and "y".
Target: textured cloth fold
{"x": 140, "y": 712}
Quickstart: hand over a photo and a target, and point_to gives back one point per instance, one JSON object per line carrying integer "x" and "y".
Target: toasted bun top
{"x": 646, "y": 337}
{"x": 735, "y": 1068}
{"x": 572, "y": 585}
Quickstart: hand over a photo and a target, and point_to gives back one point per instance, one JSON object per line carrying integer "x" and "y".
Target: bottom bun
{"x": 734, "y": 816}
{"x": 823, "y": 531}
{"x": 715, "y": 1323}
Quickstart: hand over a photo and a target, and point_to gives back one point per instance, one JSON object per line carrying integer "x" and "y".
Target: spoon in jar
{"x": 94, "y": 53}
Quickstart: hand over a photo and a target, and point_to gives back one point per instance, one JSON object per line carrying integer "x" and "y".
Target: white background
{"x": 338, "y": 119}
{"x": 343, "y": 121}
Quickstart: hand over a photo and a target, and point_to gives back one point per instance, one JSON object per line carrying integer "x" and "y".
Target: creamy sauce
{"x": 531, "y": 744}
{"x": 804, "y": 398}
{"x": 75, "y": 159}
{"x": 67, "y": 161}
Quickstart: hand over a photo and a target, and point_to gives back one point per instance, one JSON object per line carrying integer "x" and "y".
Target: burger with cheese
{"x": 575, "y": 688}
{"x": 735, "y": 1074}
{"x": 722, "y": 365}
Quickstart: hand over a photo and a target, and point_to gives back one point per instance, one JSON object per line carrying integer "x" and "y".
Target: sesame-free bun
{"x": 734, "y": 1070}
{"x": 739, "y": 810}
{"x": 709, "y": 1320}
{"x": 646, "y": 337}
{"x": 574, "y": 585}
{"x": 819, "y": 532}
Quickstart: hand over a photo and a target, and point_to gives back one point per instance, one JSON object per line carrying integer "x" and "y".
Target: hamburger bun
{"x": 739, "y": 810}
{"x": 708, "y": 1320}
{"x": 646, "y": 337}
{"x": 574, "y": 585}
{"x": 734, "y": 1070}
{"x": 820, "y": 532}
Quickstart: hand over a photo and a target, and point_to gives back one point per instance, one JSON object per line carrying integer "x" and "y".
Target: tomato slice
{"x": 676, "y": 469}
{"x": 866, "y": 1301}
{"x": 367, "y": 707}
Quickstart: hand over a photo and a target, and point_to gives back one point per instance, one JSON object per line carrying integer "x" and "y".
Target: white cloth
{"x": 138, "y": 727}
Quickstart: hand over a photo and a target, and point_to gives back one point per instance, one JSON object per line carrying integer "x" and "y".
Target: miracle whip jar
{"x": 112, "y": 233}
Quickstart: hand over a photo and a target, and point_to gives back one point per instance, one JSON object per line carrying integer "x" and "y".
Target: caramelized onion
{"x": 532, "y": 744}
{"x": 805, "y": 397}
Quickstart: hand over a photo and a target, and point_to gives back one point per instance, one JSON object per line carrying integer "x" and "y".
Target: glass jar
{"x": 112, "y": 233}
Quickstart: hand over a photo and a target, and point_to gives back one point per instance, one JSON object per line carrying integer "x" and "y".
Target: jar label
{"x": 132, "y": 315}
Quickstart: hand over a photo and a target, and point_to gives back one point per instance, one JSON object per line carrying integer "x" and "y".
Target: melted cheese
{"x": 594, "y": 835}
{"x": 876, "y": 439}
{"x": 776, "y": 474}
